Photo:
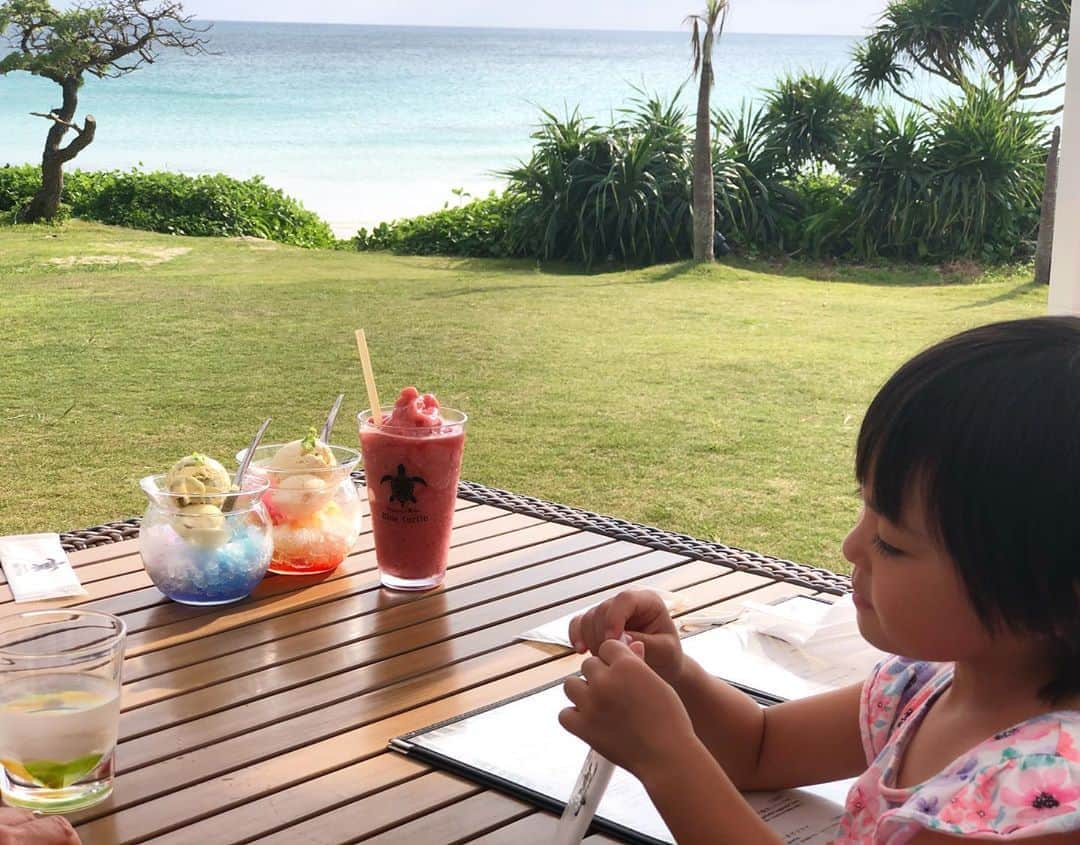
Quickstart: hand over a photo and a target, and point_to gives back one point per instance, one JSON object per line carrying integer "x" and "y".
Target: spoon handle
{"x": 249, "y": 453}
{"x": 328, "y": 426}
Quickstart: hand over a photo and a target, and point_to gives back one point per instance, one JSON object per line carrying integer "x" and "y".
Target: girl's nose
{"x": 857, "y": 543}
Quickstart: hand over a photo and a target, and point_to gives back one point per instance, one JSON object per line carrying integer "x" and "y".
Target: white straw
{"x": 591, "y": 784}
{"x": 592, "y": 781}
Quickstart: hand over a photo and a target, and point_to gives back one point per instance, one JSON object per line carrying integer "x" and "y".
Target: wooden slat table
{"x": 269, "y": 720}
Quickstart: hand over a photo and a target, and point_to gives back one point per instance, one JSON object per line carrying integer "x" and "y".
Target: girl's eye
{"x": 885, "y": 548}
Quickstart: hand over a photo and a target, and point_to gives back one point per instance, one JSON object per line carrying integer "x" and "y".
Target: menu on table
{"x": 518, "y": 745}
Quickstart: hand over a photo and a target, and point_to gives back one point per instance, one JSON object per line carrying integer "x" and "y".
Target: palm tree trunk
{"x": 1044, "y": 251}
{"x": 704, "y": 191}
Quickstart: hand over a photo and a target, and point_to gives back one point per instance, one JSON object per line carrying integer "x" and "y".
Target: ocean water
{"x": 366, "y": 123}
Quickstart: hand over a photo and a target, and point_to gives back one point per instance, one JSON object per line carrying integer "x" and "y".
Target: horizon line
{"x": 534, "y": 28}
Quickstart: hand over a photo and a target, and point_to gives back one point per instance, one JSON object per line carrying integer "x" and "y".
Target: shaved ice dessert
{"x": 312, "y": 503}
{"x": 203, "y": 541}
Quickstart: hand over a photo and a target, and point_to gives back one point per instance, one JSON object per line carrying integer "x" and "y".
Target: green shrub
{"x": 892, "y": 186}
{"x": 175, "y": 203}
{"x": 756, "y": 208}
{"x": 550, "y": 185}
{"x": 478, "y": 229}
{"x": 18, "y": 183}
{"x": 809, "y": 120}
{"x": 965, "y": 184}
{"x": 987, "y": 163}
{"x": 619, "y": 193}
{"x": 826, "y": 213}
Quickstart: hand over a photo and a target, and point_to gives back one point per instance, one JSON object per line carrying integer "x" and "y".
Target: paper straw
{"x": 369, "y": 377}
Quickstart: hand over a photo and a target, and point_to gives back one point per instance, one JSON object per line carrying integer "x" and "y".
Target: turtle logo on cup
{"x": 402, "y": 486}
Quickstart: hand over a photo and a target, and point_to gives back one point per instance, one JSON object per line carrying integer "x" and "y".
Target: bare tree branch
{"x": 1035, "y": 95}
{"x": 907, "y": 97}
{"x": 56, "y": 118}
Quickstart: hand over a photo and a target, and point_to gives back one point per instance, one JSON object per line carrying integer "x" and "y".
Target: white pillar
{"x": 1065, "y": 265}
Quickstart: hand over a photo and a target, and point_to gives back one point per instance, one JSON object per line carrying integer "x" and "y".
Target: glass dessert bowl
{"x": 312, "y": 502}
{"x": 205, "y": 549}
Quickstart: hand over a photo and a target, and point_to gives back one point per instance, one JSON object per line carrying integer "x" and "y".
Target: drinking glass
{"x": 59, "y": 708}
{"x": 412, "y": 479}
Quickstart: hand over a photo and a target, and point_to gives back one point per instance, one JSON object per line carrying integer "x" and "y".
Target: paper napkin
{"x": 37, "y": 567}
{"x": 557, "y": 631}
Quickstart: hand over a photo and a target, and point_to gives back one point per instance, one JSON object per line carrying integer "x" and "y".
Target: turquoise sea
{"x": 365, "y": 123}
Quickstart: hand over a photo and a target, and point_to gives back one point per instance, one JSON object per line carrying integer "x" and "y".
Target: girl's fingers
{"x": 571, "y": 721}
{"x": 622, "y": 608}
{"x": 612, "y": 650}
{"x": 12, "y": 816}
{"x": 591, "y": 667}
{"x": 575, "y": 635}
{"x": 576, "y": 690}
{"x": 51, "y": 830}
{"x": 595, "y": 630}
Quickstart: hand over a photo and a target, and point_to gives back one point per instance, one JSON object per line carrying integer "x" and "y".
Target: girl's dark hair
{"x": 988, "y": 424}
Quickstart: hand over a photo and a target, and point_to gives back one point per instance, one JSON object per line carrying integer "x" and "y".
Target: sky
{"x": 810, "y": 17}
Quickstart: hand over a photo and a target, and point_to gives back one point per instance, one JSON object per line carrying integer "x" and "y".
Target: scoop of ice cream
{"x": 413, "y": 410}
{"x": 203, "y": 525}
{"x": 307, "y": 455}
{"x": 302, "y": 477}
{"x": 195, "y": 479}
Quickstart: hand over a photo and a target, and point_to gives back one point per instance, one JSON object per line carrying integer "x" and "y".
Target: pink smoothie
{"x": 412, "y": 462}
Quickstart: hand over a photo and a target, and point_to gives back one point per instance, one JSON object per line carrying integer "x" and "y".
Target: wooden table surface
{"x": 268, "y": 720}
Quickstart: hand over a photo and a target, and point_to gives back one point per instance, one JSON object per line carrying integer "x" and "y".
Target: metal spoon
{"x": 328, "y": 426}
{"x": 249, "y": 453}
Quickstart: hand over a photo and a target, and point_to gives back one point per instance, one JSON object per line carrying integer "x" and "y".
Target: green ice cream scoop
{"x": 195, "y": 479}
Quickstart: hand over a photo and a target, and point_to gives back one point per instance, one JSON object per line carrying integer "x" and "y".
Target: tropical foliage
{"x": 616, "y": 193}
{"x": 965, "y": 184}
{"x": 757, "y": 207}
{"x": 1017, "y": 47}
{"x": 812, "y": 170}
{"x": 809, "y": 120}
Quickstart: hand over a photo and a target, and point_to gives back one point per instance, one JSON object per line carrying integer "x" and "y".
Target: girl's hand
{"x": 625, "y": 711}
{"x": 643, "y": 615}
{"x": 21, "y": 827}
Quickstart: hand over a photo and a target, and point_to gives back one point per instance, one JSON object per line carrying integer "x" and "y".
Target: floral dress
{"x": 1024, "y": 781}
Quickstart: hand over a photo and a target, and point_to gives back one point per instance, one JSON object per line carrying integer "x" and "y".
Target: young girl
{"x": 966, "y": 565}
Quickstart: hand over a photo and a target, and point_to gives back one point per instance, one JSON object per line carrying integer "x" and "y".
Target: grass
{"x": 719, "y": 401}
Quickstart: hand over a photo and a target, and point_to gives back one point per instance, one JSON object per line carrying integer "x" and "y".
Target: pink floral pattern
{"x": 1024, "y": 781}
{"x": 1043, "y": 793}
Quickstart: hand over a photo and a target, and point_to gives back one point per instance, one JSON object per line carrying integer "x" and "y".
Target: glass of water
{"x": 59, "y": 707}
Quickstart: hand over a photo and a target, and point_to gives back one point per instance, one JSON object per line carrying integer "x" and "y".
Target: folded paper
{"x": 36, "y": 567}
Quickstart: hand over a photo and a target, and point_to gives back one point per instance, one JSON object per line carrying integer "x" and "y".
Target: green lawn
{"x": 720, "y": 401}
